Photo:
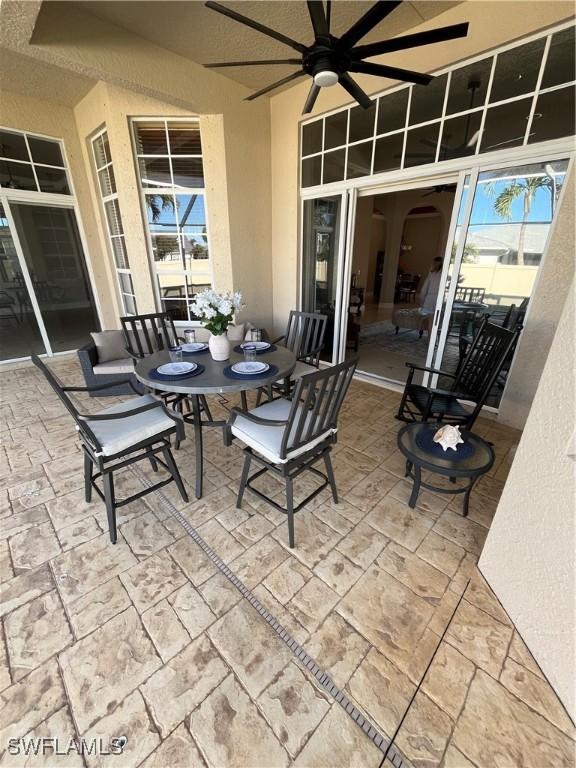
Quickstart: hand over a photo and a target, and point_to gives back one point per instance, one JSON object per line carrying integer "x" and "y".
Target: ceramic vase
{"x": 219, "y": 347}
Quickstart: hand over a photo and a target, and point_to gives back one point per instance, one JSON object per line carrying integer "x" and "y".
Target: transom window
{"x": 520, "y": 95}
{"x": 109, "y": 196}
{"x": 32, "y": 163}
{"x": 171, "y": 172}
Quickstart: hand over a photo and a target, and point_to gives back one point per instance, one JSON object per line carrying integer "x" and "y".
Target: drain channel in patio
{"x": 385, "y": 743}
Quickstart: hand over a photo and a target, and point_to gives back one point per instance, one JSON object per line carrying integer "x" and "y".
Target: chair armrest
{"x": 449, "y": 393}
{"x": 415, "y": 367}
{"x": 98, "y": 387}
{"x": 88, "y": 356}
{"x": 235, "y": 412}
{"x": 125, "y": 414}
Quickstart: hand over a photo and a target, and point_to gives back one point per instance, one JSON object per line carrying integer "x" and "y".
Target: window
{"x": 171, "y": 170}
{"x": 32, "y": 163}
{"x": 521, "y": 94}
{"x": 109, "y": 197}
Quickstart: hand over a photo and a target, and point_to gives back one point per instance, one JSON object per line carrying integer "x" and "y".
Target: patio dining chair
{"x": 288, "y": 437}
{"x": 119, "y": 436}
{"x": 146, "y": 334}
{"x": 472, "y": 382}
{"x": 305, "y": 337}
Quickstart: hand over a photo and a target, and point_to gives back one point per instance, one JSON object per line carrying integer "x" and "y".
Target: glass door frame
{"x": 346, "y": 210}
{"x": 396, "y": 181}
{"x": 442, "y": 318}
{"x": 46, "y": 199}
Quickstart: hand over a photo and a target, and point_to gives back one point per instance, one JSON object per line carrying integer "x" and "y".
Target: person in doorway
{"x": 429, "y": 292}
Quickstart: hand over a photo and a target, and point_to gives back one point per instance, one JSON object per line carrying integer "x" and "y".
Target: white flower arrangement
{"x": 216, "y": 310}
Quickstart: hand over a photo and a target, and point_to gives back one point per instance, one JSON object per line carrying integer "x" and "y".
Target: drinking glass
{"x": 250, "y": 353}
{"x": 175, "y": 354}
{"x": 255, "y": 334}
{"x": 190, "y": 336}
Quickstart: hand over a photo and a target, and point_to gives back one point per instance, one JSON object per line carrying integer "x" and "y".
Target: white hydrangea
{"x": 216, "y": 309}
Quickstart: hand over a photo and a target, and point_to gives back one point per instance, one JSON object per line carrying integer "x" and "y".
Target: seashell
{"x": 448, "y": 436}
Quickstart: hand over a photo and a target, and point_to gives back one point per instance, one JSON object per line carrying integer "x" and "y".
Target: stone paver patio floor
{"x": 148, "y": 640}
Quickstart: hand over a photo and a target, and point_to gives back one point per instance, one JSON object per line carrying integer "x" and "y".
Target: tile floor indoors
{"x": 147, "y": 640}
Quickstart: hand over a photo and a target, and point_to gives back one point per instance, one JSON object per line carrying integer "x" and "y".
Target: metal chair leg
{"x": 330, "y": 475}
{"x": 87, "y": 478}
{"x": 109, "y": 498}
{"x": 243, "y": 479}
{"x": 290, "y": 511}
{"x": 169, "y": 459}
{"x": 153, "y": 463}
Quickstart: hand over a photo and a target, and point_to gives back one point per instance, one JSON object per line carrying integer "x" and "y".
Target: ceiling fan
{"x": 330, "y": 59}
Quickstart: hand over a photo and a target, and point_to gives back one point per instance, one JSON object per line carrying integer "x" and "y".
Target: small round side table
{"x": 472, "y": 459}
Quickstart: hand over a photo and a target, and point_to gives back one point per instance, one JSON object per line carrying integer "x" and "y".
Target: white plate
{"x": 257, "y": 344}
{"x": 250, "y": 367}
{"x": 176, "y": 369}
{"x": 196, "y": 346}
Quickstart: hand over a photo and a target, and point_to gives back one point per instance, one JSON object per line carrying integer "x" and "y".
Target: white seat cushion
{"x": 267, "y": 440}
{"x": 118, "y": 435}
{"x": 125, "y": 365}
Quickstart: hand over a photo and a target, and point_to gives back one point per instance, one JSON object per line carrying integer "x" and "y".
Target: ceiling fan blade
{"x": 371, "y": 18}
{"x": 318, "y": 18}
{"x": 311, "y": 99}
{"x": 255, "y": 25}
{"x": 411, "y": 41}
{"x": 277, "y": 84}
{"x": 382, "y": 70}
{"x": 252, "y": 63}
{"x": 354, "y": 90}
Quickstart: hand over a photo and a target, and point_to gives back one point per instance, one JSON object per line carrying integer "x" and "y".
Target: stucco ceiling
{"x": 28, "y": 77}
{"x": 203, "y": 36}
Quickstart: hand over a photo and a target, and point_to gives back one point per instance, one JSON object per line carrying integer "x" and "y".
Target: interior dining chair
{"x": 119, "y": 436}
{"x": 289, "y": 437}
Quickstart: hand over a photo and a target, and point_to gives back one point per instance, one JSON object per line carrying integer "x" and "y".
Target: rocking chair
{"x": 472, "y": 381}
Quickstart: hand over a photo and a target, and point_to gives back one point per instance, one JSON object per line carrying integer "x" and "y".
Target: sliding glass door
{"x": 503, "y": 223}
{"x": 46, "y": 303}
{"x": 20, "y": 334}
{"x": 323, "y": 264}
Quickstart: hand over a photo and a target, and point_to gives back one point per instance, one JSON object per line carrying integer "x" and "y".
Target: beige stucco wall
{"x": 485, "y": 33}
{"x": 550, "y": 291}
{"x": 236, "y": 133}
{"x": 50, "y": 119}
{"x": 529, "y": 556}
{"x": 113, "y": 106}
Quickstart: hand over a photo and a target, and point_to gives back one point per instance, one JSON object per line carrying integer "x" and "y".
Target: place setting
{"x": 177, "y": 368}
{"x": 250, "y": 367}
{"x": 255, "y": 343}
{"x": 191, "y": 346}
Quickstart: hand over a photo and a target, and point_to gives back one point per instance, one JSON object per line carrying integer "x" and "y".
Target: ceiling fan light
{"x": 326, "y": 78}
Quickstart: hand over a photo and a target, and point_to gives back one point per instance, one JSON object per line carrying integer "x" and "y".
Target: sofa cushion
{"x": 123, "y": 365}
{"x": 110, "y": 345}
{"x": 236, "y": 332}
{"x": 119, "y": 435}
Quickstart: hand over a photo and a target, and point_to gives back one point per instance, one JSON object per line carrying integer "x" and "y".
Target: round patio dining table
{"x": 211, "y": 381}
